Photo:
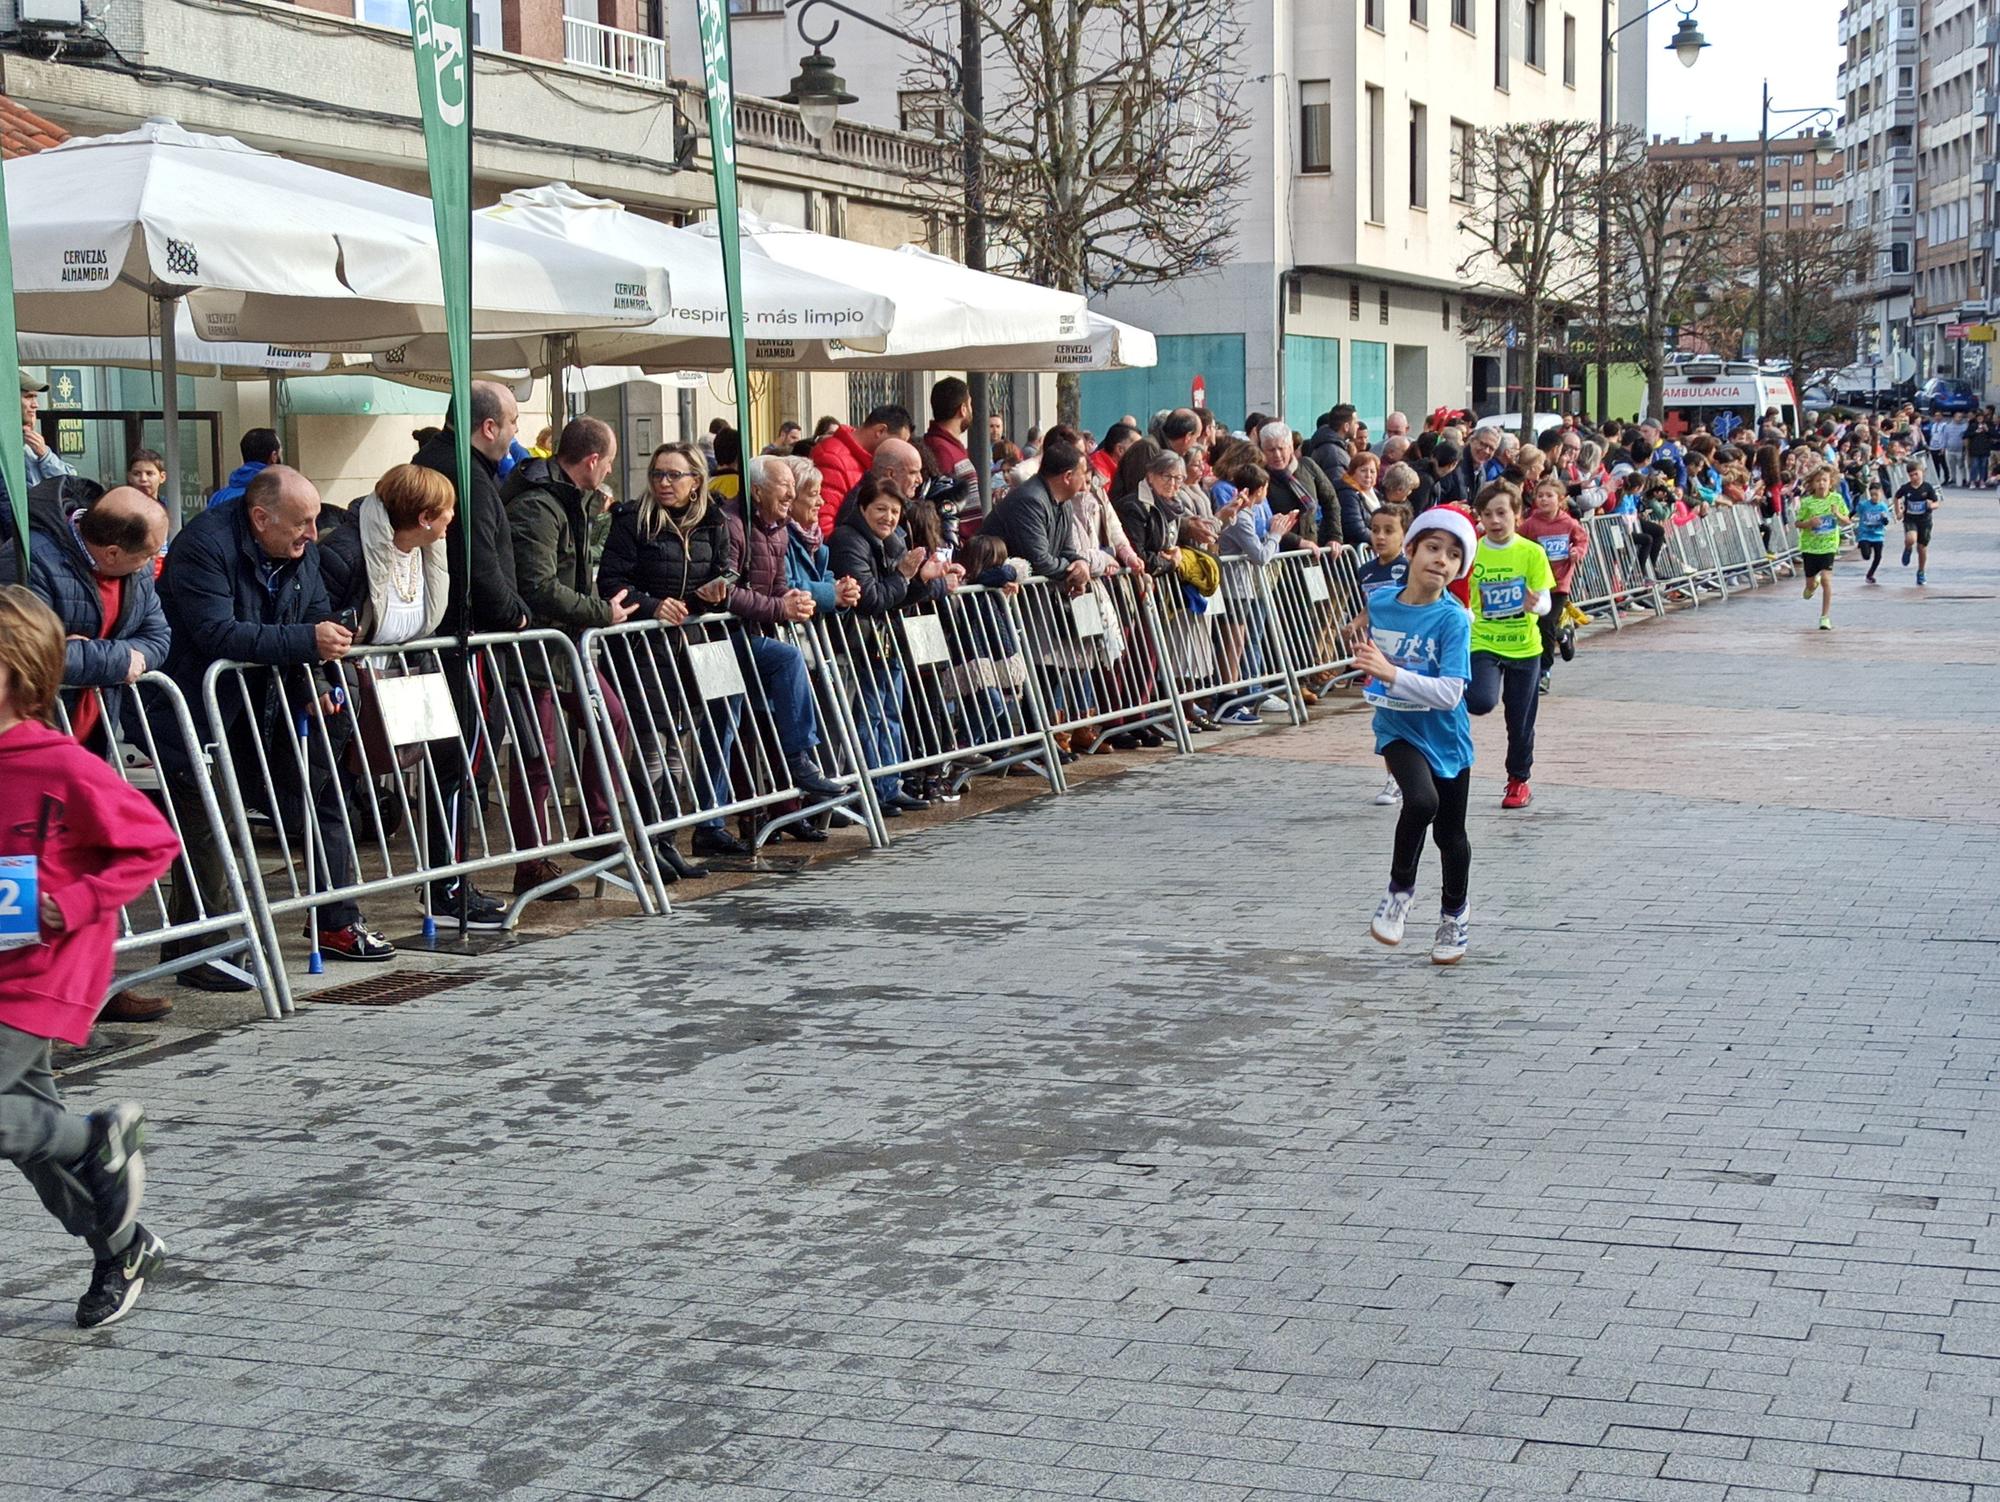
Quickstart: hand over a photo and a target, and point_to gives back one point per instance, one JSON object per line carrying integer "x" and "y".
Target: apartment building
{"x": 1799, "y": 192}
{"x": 1958, "y": 99}
{"x": 580, "y": 91}
{"x": 1345, "y": 282}
{"x": 1877, "y": 137}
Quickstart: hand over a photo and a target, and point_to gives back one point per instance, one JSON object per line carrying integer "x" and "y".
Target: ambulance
{"x": 1727, "y": 395}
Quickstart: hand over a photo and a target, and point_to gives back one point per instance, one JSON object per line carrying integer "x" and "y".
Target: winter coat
{"x": 871, "y": 561}
{"x": 549, "y": 518}
{"x": 238, "y": 482}
{"x": 1326, "y": 497}
{"x": 496, "y": 602}
{"x": 1354, "y": 514}
{"x": 1329, "y": 450}
{"x": 1031, "y": 522}
{"x": 1289, "y": 493}
{"x": 758, "y": 593}
{"x": 98, "y": 844}
{"x": 1148, "y": 528}
{"x": 806, "y": 568}
{"x": 220, "y": 607}
{"x": 842, "y": 461}
{"x": 62, "y": 576}
{"x": 667, "y": 565}
{"x": 954, "y": 461}
{"x": 357, "y": 590}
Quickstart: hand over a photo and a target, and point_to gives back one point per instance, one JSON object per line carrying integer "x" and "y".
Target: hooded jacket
{"x": 496, "y": 603}
{"x": 98, "y": 844}
{"x": 842, "y": 462}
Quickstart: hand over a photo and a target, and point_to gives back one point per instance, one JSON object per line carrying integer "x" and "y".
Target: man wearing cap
{"x": 42, "y": 461}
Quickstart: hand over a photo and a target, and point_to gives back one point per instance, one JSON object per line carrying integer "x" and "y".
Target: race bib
{"x": 1501, "y": 598}
{"x": 20, "y": 901}
{"x": 1557, "y": 547}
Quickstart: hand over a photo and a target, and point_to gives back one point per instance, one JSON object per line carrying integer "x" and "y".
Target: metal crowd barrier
{"x": 1610, "y": 579}
{"x": 943, "y": 687}
{"x": 147, "y": 735}
{"x": 1316, "y": 596}
{"x": 1095, "y": 657}
{"x": 1224, "y": 651}
{"x": 703, "y": 700}
{"x": 394, "y": 752}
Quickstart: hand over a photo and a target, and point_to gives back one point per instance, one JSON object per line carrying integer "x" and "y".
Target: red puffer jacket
{"x": 842, "y": 462}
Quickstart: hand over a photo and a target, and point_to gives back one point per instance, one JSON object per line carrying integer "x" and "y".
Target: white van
{"x": 1738, "y": 392}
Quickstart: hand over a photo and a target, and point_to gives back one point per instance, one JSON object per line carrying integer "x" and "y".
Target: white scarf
{"x": 379, "y": 555}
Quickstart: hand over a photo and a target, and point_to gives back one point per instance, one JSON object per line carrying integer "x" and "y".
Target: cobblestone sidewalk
{"x": 1090, "y": 1149}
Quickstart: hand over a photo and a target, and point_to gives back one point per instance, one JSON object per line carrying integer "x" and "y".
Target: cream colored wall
{"x": 345, "y": 455}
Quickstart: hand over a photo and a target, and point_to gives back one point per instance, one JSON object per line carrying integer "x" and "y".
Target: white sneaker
{"x": 1388, "y": 925}
{"x": 1274, "y": 705}
{"x": 1390, "y": 795}
{"x": 1448, "y": 948}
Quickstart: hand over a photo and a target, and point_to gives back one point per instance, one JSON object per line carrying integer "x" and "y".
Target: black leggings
{"x": 1872, "y": 552}
{"x": 1652, "y": 537}
{"x": 1433, "y": 803}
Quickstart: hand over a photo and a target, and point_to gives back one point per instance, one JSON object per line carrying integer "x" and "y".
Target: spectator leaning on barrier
{"x": 549, "y": 513}
{"x": 242, "y": 584}
{"x": 765, "y": 598}
{"x": 1296, "y": 487}
{"x": 93, "y": 565}
{"x": 1033, "y": 522}
{"x": 386, "y": 570}
{"x": 807, "y": 556}
{"x": 846, "y": 454}
{"x": 496, "y": 603}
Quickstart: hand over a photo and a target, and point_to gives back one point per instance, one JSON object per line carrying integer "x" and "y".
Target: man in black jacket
{"x": 1034, "y": 525}
{"x": 1331, "y": 440}
{"x": 497, "y": 605}
{"x": 242, "y": 584}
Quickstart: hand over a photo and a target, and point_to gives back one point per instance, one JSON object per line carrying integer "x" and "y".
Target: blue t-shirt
{"x": 1375, "y": 572}
{"x": 1871, "y": 517}
{"x": 1434, "y": 641}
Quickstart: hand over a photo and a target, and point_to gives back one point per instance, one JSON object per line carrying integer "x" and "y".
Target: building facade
{"x": 1877, "y": 136}
{"x": 1800, "y": 193}
{"x": 583, "y": 93}
{"x": 1345, "y": 282}
{"x": 1958, "y": 100}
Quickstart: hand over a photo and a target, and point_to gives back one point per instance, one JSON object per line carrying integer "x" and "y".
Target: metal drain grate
{"x": 387, "y": 990}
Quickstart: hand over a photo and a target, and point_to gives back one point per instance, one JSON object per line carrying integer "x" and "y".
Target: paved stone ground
{"x": 1091, "y": 1149}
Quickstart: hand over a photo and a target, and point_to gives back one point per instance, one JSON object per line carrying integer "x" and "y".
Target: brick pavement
{"x": 1090, "y": 1149}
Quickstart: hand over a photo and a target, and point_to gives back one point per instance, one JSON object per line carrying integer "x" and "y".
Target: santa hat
{"x": 1446, "y": 519}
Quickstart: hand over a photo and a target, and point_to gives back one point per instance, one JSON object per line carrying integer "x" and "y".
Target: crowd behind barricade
{"x": 733, "y": 655}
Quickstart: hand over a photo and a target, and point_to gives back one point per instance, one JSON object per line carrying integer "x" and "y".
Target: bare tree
{"x": 1809, "y": 318}
{"x": 1111, "y": 155}
{"x": 1679, "y": 225}
{"x": 1532, "y": 191}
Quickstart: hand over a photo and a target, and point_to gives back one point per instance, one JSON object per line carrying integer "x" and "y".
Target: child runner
{"x": 1916, "y": 503}
{"x": 1387, "y": 566}
{"x": 1563, "y": 538}
{"x": 1819, "y": 515}
{"x": 76, "y": 844}
{"x": 1871, "y": 521}
{"x": 1511, "y": 581}
{"x": 1418, "y": 655}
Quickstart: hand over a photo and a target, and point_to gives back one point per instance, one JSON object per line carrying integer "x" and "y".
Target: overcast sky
{"x": 1794, "y": 43}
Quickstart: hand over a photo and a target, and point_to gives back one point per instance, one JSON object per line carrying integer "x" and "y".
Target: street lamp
{"x": 1688, "y": 45}
{"x": 1815, "y": 119}
{"x": 819, "y": 92}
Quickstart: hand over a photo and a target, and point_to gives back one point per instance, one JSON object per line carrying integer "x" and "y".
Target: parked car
{"x": 1944, "y": 394}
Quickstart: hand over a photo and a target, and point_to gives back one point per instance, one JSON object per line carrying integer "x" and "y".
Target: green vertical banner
{"x": 438, "y": 33}
{"x": 13, "y": 450}
{"x": 718, "y": 74}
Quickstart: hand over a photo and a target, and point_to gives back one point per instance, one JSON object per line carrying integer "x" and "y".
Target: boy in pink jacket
{"x": 76, "y": 844}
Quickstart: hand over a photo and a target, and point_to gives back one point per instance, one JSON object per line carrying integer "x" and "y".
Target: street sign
{"x": 1513, "y": 337}
{"x": 1198, "y": 393}
{"x": 1979, "y": 333}
{"x": 1955, "y": 330}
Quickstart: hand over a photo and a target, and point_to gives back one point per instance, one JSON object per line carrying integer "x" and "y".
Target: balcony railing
{"x": 608, "y": 49}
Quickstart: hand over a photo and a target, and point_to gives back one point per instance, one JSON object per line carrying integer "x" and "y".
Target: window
{"x": 1315, "y": 126}
{"x": 1461, "y": 162}
{"x": 1746, "y": 161}
{"x": 1383, "y": 304}
{"x": 927, "y": 112}
{"x": 1799, "y": 160}
{"x": 1798, "y": 186}
{"x": 1461, "y": 14}
{"x": 1420, "y": 149}
{"x": 1377, "y": 149}
{"x": 1906, "y": 85}
{"x": 1569, "y": 52}
{"x": 1899, "y": 258}
{"x": 1500, "y": 59}
{"x": 396, "y": 13}
{"x": 1901, "y": 200}
{"x": 1531, "y": 26}
{"x": 1371, "y": 14}
{"x": 1825, "y": 184}
{"x": 1445, "y": 308}
{"x": 1354, "y": 300}
{"x": 1770, "y": 213}
{"x": 1420, "y": 12}
{"x": 1821, "y": 210}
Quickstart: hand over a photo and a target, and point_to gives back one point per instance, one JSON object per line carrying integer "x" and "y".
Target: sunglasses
{"x": 670, "y": 474}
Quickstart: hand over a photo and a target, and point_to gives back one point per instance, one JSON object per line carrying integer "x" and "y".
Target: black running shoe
{"x": 114, "y": 1170}
{"x": 1566, "y": 643}
{"x": 116, "y": 1282}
